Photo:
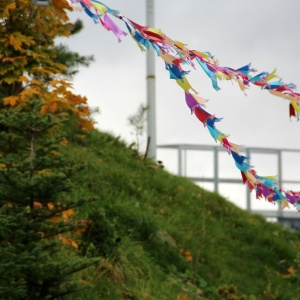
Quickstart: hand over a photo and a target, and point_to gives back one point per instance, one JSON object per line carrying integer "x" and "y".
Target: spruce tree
{"x": 37, "y": 209}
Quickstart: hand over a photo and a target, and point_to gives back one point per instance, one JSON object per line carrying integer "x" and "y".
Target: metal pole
{"x": 279, "y": 162}
{"x": 216, "y": 170}
{"x": 150, "y": 69}
{"x": 180, "y": 161}
{"x": 248, "y": 196}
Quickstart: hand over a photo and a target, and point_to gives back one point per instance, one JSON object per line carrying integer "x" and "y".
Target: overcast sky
{"x": 264, "y": 33}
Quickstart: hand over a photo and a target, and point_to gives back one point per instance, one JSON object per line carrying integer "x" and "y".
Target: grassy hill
{"x": 160, "y": 236}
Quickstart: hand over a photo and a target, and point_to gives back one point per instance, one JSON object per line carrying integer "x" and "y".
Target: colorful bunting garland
{"x": 175, "y": 54}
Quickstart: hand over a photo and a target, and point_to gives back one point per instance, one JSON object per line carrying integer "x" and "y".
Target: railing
{"x": 216, "y": 179}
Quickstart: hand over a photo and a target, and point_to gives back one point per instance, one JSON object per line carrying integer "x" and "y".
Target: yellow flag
{"x": 101, "y": 8}
{"x": 295, "y": 106}
{"x": 284, "y": 204}
{"x": 272, "y": 75}
{"x": 185, "y": 85}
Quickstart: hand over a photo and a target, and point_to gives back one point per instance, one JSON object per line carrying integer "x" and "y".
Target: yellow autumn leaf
{"x": 16, "y": 61}
{"x": 42, "y": 71}
{"x": 44, "y": 110}
{"x": 37, "y": 82}
{"x": 61, "y": 4}
{"x": 37, "y": 205}
{"x": 68, "y": 213}
{"x": 57, "y": 66}
{"x": 8, "y": 59}
{"x": 291, "y": 270}
{"x": 37, "y": 55}
{"x": 64, "y": 142}
{"x": 189, "y": 258}
{"x": 23, "y": 79}
{"x": 186, "y": 254}
{"x": 60, "y": 10}
{"x": 10, "y": 6}
{"x": 68, "y": 241}
{"x": 15, "y": 43}
{"x": 56, "y": 82}
{"x": 56, "y": 219}
{"x": 28, "y": 93}
{"x": 50, "y": 205}
{"x": 9, "y": 80}
{"x": 79, "y": 230}
{"x": 84, "y": 226}
{"x": 27, "y": 40}
{"x": 11, "y": 100}
{"x": 52, "y": 106}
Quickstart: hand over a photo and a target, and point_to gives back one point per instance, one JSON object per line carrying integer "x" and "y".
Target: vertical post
{"x": 184, "y": 162}
{"x": 248, "y": 196}
{"x": 179, "y": 160}
{"x": 216, "y": 170}
{"x": 150, "y": 78}
{"x": 279, "y": 163}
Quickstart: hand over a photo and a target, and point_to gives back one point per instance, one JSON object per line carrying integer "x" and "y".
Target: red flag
{"x": 202, "y": 115}
{"x": 292, "y": 111}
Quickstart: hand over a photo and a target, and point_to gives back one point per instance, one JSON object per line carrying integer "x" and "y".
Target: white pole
{"x": 150, "y": 69}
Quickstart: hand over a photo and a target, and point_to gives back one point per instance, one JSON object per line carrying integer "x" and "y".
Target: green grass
{"x": 142, "y": 218}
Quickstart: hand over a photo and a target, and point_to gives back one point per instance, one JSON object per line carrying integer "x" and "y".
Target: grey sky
{"x": 237, "y": 32}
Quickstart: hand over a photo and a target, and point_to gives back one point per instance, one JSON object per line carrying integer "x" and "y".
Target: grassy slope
{"x": 145, "y": 216}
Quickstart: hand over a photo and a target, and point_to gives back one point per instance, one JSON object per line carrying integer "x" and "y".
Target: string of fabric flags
{"x": 175, "y": 55}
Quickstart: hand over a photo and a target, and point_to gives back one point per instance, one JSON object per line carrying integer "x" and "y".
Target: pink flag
{"x": 110, "y": 25}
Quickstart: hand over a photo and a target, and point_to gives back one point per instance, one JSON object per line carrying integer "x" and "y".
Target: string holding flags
{"x": 175, "y": 55}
